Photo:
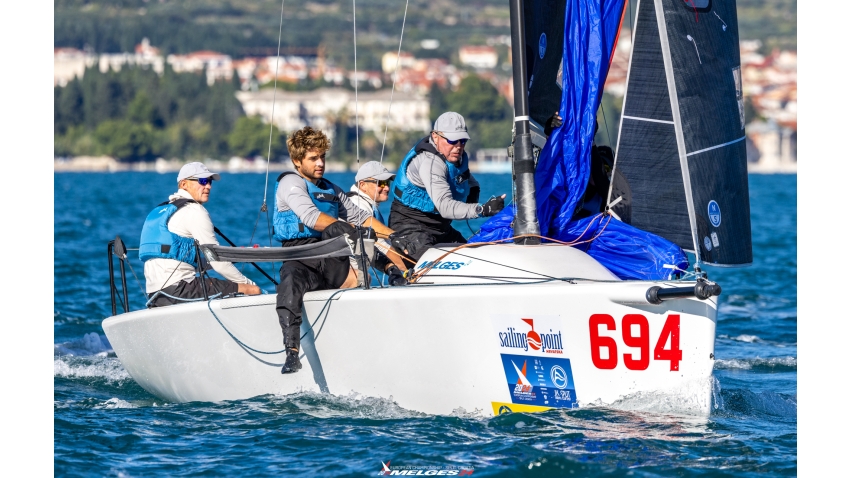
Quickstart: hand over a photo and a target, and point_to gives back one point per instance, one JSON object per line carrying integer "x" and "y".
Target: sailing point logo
{"x": 449, "y": 470}
{"x": 550, "y": 343}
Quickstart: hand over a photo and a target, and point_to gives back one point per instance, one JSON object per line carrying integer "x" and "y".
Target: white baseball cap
{"x": 452, "y": 126}
{"x": 373, "y": 170}
{"x": 196, "y": 170}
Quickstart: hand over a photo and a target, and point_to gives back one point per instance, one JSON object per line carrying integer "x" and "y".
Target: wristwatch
{"x": 479, "y": 209}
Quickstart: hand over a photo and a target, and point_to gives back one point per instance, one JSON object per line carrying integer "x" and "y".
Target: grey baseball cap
{"x": 452, "y": 126}
{"x": 196, "y": 170}
{"x": 372, "y": 170}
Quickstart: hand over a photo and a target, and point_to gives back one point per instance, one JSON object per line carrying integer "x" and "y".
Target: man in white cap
{"x": 372, "y": 186}
{"x": 434, "y": 187}
{"x": 167, "y": 245}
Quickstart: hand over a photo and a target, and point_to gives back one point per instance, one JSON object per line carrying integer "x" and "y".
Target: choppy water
{"x": 105, "y": 424}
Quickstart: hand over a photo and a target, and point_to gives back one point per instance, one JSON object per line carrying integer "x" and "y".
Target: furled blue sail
{"x": 563, "y": 166}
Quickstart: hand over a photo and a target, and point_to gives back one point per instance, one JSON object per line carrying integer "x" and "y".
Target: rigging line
{"x": 138, "y": 282}
{"x": 395, "y": 76}
{"x": 356, "y": 82}
{"x": 274, "y": 97}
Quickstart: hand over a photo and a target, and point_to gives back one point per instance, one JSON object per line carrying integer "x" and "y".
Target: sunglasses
{"x": 201, "y": 181}
{"x": 382, "y": 183}
{"x": 461, "y": 141}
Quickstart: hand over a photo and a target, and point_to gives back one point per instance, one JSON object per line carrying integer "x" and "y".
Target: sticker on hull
{"x": 539, "y": 381}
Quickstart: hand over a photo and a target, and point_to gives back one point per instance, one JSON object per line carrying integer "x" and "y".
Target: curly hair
{"x": 306, "y": 139}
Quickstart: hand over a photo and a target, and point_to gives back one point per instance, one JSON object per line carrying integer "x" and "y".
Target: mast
{"x": 523, "y": 160}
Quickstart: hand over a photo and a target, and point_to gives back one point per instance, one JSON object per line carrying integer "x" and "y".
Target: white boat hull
{"x": 434, "y": 349}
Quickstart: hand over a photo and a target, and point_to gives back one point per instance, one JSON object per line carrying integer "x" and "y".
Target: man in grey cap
{"x": 167, "y": 245}
{"x": 372, "y": 186}
{"x": 434, "y": 187}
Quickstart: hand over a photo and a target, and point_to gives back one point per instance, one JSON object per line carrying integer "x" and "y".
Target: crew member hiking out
{"x": 308, "y": 209}
{"x": 167, "y": 245}
{"x": 433, "y": 187}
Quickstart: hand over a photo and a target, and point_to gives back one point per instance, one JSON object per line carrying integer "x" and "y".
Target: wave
{"x": 90, "y": 344}
{"x": 322, "y": 405}
{"x": 757, "y": 404}
{"x": 109, "y": 369}
{"x": 690, "y": 399}
{"x": 758, "y": 364}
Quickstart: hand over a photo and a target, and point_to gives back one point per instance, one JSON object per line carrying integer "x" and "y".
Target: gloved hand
{"x": 414, "y": 244}
{"x": 493, "y": 206}
{"x": 553, "y": 122}
{"x": 396, "y": 276}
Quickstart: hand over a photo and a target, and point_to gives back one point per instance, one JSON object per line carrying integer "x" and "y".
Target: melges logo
{"x": 549, "y": 343}
{"x": 444, "y": 265}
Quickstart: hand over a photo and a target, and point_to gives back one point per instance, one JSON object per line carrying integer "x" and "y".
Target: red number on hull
{"x": 597, "y": 342}
{"x": 641, "y": 341}
{"x": 670, "y": 333}
{"x": 673, "y": 354}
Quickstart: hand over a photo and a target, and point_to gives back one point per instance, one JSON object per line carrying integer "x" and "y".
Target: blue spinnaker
{"x": 563, "y": 166}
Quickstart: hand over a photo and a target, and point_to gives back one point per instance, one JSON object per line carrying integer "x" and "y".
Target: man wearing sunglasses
{"x": 167, "y": 245}
{"x": 371, "y": 187}
{"x": 309, "y": 208}
{"x": 434, "y": 187}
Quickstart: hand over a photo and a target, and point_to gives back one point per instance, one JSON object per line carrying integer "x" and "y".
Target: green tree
{"x": 487, "y": 114}
{"x": 126, "y": 140}
{"x": 141, "y": 110}
{"x": 250, "y": 137}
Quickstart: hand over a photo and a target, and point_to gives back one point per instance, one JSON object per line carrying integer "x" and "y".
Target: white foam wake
{"x": 695, "y": 398}
{"x": 109, "y": 369}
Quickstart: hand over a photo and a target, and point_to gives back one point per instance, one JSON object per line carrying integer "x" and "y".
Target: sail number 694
{"x": 639, "y": 340}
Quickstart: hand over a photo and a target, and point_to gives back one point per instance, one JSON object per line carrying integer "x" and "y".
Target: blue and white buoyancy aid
{"x": 416, "y": 197}
{"x": 287, "y": 226}
{"x": 157, "y": 242}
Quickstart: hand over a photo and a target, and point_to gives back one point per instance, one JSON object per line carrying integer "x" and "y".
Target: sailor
{"x": 167, "y": 245}
{"x": 595, "y": 196}
{"x": 308, "y": 209}
{"x": 434, "y": 187}
{"x": 371, "y": 187}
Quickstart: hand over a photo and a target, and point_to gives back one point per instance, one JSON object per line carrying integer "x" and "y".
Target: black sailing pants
{"x": 299, "y": 277}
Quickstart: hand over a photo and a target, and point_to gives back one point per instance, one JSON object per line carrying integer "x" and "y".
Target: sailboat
{"x": 541, "y": 311}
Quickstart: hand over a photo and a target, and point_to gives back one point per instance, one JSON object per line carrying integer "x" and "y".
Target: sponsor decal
{"x": 707, "y": 243}
{"x": 540, "y": 381}
{"x": 449, "y": 470}
{"x": 444, "y": 265}
{"x": 500, "y": 408}
{"x": 525, "y": 337}
{"x": 541, "y": 45}
{"x": 714, "y": 213}
{"x": 715, "y": 240}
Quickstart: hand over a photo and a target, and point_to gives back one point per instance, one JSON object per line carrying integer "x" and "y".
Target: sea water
{"x": 106, "y": 424}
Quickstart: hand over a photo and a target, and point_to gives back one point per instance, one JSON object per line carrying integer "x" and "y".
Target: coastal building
{"x": 144, "y": 55}
{"x": 70, "y": 63}
{"x": 218, "y": 65}
{"x": 478, "y": 56}
{"x": 390, "y": 59}
{"x": 771, "y": 147}
{"x": 325, "y": 107}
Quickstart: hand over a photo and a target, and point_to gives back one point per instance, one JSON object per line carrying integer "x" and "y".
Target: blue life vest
{"x": 157, "y": 242}
{"x": 287, "y": 226}
{"x": 413, "y": 196}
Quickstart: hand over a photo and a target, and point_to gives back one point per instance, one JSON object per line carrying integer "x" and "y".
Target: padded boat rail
{"x": 336, "y": 247}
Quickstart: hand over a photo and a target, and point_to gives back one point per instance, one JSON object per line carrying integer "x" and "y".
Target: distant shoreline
{"x": 106, "y": 164}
